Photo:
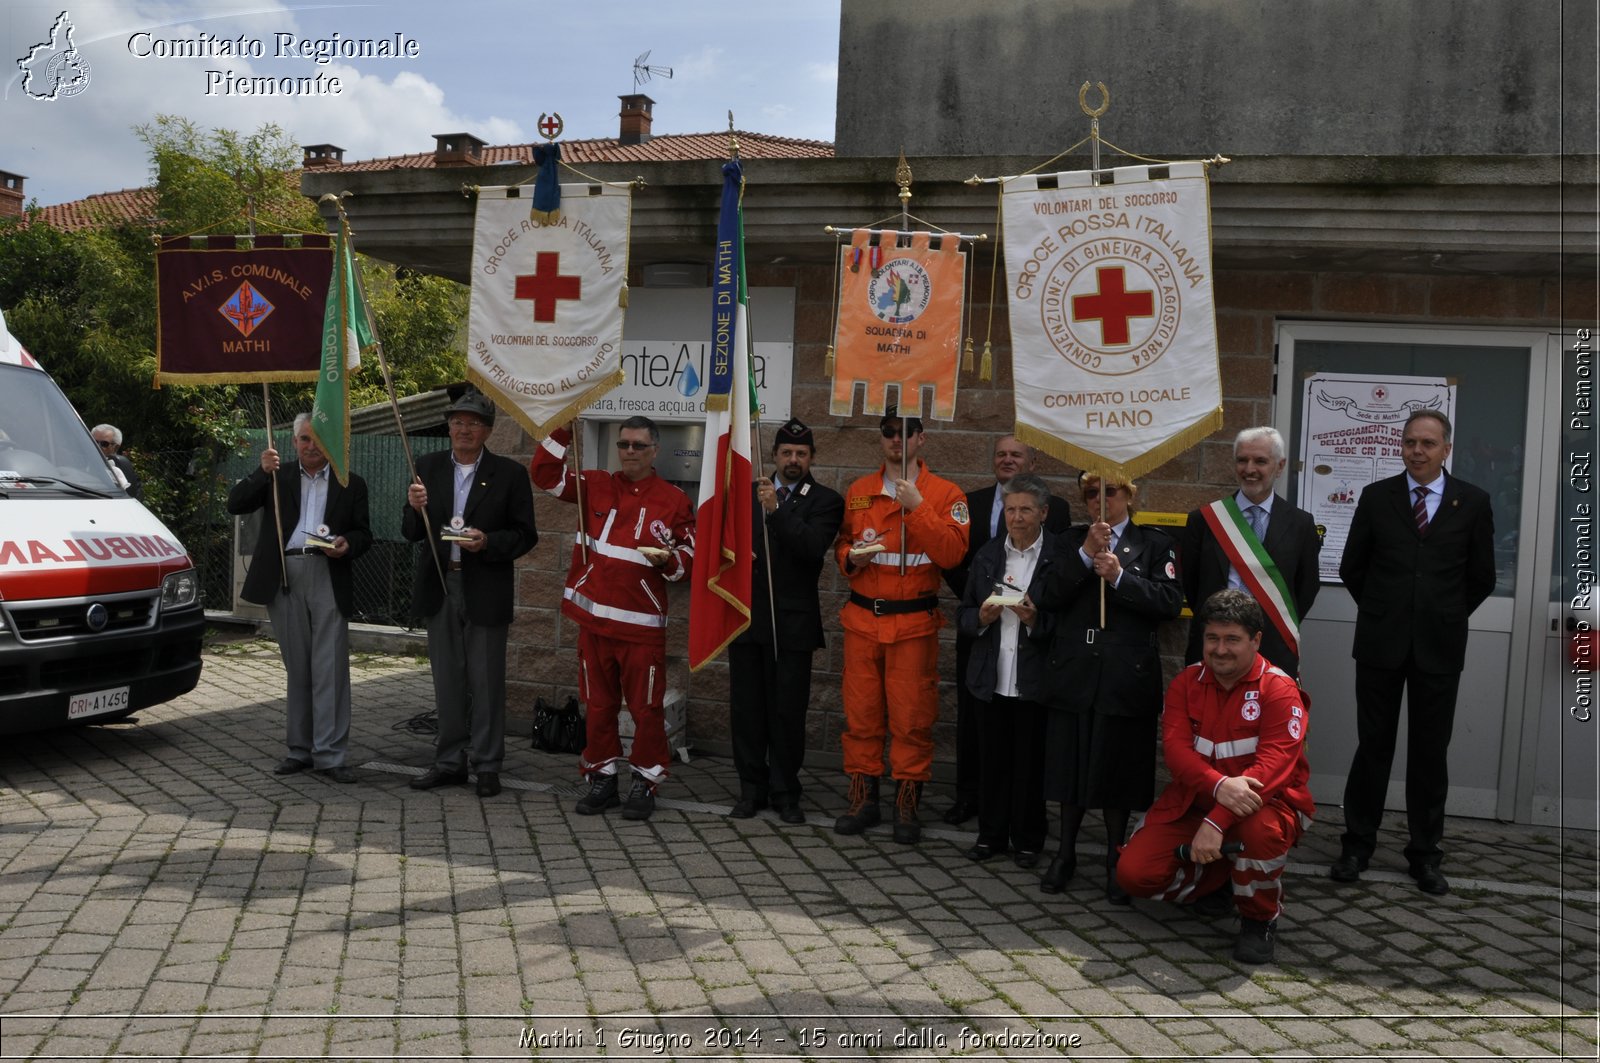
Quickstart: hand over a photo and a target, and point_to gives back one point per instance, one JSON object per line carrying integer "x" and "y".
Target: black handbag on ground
{"x": 558, "y": 730}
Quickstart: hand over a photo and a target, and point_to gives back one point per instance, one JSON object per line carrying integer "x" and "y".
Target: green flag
{"x": 346, "y": 330}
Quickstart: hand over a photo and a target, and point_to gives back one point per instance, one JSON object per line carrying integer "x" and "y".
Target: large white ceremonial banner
{"x": 544, "y": 334}
{"x": 1113, "y": 328}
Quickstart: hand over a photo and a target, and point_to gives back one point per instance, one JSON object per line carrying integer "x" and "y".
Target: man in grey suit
{"x": 1216, "y": 551}
{"x": 1419, "y": 559}
{"x": 307, "y": 591}
{"x": 479, "y": 510}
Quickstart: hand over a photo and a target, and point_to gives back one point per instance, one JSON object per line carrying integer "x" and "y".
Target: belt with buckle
{"x": 895, "y": 606}
{"x": 302, "y": 551}
{"x": 455, "y": 566}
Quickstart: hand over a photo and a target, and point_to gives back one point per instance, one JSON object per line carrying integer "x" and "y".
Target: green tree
{"x": 84, "y": 303}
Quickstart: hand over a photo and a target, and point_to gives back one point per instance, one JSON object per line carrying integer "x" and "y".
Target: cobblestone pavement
{"x": 163, "y": 895}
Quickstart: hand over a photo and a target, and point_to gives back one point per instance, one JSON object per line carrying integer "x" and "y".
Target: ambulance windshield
{"x": 42, "y": 440}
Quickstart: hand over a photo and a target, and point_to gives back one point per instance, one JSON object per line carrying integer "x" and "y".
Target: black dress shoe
{"x": 984, "y": 851}
{"x": 790, "y": 812}
{"x": 747, "y": 807}
{"x": 1026, "y": 858}
{"x": 1347, "y": 868}
{"x": 288, "y": 766}
{"x": 340, "y": 773}
{"x": 488, "y": 783}
{"x": 1431, "y": 880}
{"x": 964, "y": 809}
{"x": 1056, "y": 875}
{"x": 436, "y": 777}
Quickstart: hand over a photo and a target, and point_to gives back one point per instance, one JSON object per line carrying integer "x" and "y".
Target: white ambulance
{"x": 99, "y": 604}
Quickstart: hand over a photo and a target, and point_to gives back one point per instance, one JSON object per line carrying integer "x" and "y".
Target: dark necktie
{"x": 783, "y": 494}
{"x": 1419, "y": 510}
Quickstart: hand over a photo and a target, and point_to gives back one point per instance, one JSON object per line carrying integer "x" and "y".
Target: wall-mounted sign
{"x": 666, "y": 341}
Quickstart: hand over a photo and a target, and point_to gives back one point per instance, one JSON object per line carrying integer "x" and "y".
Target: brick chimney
{"x": 457, "y": 149}
{"x": 322, "y": 155}
{"x": 11, "y": 194}
{"x": 635, "y": 118}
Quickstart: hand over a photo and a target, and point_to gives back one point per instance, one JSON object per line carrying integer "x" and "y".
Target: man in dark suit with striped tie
{"x": 1419, "y": 559}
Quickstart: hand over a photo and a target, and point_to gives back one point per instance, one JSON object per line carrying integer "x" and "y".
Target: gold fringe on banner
{"x": 622, "y": 296}
{"x": 986, "y": 370}
{"x": 544, "y": 217}
{"x": 716, "y": 402}
{"x": 567, "y": 413}
{"x": 1132, "y": 470}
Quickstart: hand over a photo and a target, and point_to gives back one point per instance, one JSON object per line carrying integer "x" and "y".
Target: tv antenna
{"x": 643, "y": 71}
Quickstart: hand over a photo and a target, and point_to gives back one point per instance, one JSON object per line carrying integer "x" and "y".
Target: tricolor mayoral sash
{"x": 899, "y": 323}
{"x": 1257, "y": 571}
{"x": 544, "y": 332}
{"x": 1113, "y": 331}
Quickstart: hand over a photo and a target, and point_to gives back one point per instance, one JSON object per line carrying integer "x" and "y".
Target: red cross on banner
{"x": 545, "y": 285}
{"x": 1112, "y": 305}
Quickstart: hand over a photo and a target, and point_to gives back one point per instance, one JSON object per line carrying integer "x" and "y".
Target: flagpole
{"x": 388, "y": 385}
{"x": 577, "y": 483}
{"x": 266, "y": 412}
{"x": 755, "y": 410}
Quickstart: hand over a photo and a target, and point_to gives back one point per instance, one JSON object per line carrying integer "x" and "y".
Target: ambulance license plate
{"x": 98, "y": 703}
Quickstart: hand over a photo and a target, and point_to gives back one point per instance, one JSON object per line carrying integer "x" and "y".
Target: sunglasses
{"x": 1092, "y": 493}
{"x": 892, "y": 431}
{"x": 106, "y": 443}
{"x": 633, "y": 444}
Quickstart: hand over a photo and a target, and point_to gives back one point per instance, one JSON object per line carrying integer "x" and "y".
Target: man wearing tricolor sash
{"x": 1257, "y": 542}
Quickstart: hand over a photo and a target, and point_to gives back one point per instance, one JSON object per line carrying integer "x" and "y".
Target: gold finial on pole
{"x": 733, "y": 138}
{"x": 902, "y": 177}
{"x": 1094, "y": 114}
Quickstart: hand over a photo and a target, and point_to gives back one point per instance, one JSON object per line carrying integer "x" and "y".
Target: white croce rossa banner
{"x": 545, "y": 328}
{"x": 1113, "y": 331}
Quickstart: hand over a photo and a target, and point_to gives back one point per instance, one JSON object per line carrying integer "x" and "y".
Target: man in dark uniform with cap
{"x": 770, "y": 663}
{"x": 479, "y": 509}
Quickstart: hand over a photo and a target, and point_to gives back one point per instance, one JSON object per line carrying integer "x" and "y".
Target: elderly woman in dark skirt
{"x": 1104, "y": 681}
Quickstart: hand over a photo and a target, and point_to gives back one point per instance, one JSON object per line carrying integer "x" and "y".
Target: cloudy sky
{"x": 487, "y": 67}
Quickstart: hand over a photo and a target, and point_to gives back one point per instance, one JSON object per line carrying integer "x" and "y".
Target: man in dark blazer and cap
{"x": 306, "y": 590}
{"x": 479, "y": 509}
{"x": 796, "y": 520}
{"x": 1418, "y": 560}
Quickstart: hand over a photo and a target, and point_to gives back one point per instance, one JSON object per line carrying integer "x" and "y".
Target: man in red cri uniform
{"x": 901, "y": 528}
{"x": 638, "y": 535}
{"x": 1234, "y": 733}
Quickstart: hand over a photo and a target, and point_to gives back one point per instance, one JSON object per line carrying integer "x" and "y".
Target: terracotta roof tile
{"x": 102, "y": 208}
{"x": 670, "y": 147}
{"x": 136, "y": 204}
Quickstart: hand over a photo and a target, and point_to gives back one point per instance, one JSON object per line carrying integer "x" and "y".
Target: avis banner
{"x": 899, "y": 325}
{"x": 240, "y": 309}
{"x": 1113, "y": 326}
{"x": 545, "y": 324}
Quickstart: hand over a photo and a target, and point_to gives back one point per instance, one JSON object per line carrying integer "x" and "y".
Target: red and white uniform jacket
{"x": 933, "y": 537}
{"x": 617, "y": 592}
{"x": 1209, "y": 734}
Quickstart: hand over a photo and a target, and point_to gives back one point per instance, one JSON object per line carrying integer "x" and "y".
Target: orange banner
{"x": 899, "y": 324}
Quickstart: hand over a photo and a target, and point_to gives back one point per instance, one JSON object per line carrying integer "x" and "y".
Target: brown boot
{"x": 863, "y": 806}
{"x": 907, "y": 829}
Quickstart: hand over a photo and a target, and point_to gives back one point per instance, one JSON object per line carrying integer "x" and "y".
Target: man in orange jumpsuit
{"x": 1234, "y": 734}
{"x": 900, "y": 514}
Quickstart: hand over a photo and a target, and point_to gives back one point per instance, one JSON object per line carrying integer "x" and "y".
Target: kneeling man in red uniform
{"x": 1234, "y": 735}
